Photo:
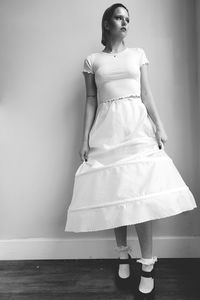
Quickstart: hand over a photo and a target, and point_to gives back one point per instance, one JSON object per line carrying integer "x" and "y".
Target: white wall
{"x": 42, "y": 99}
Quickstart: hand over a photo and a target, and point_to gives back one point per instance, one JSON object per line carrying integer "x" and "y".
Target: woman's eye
{"x": 127, "y": 20}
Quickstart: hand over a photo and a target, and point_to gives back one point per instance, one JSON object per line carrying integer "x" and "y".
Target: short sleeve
{"x": 143, "y": 58}
{"x": 88, "y": 65}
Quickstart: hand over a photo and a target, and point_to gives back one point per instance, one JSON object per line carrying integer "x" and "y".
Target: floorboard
{"x": 176, "y": 279}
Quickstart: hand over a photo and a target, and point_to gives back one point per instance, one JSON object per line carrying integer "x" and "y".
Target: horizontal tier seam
{"x": 144, "y": 197}
{"x": 124, "y": 163}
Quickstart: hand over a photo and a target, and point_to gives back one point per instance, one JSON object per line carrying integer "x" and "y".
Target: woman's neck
{"x": 114, "y": 48}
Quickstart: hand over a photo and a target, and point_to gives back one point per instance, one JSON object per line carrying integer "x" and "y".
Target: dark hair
{"x": 106, "y": 17}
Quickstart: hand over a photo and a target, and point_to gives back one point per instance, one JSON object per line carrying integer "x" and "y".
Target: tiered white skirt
{"x": 127, "y": 179}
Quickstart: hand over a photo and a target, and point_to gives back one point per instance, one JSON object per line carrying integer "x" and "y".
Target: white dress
{"x": 127, "y": 179}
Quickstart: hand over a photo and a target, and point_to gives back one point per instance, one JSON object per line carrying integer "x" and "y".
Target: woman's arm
{"x": 147, "y": 99}
{"x": 91, "y": 105}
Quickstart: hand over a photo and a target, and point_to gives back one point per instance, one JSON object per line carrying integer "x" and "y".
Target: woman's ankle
{"x": 147, "y": 261}
{"x": 123, "y": 251}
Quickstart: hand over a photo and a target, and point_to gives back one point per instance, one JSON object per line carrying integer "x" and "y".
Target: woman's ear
{"x": 106, "y": 25}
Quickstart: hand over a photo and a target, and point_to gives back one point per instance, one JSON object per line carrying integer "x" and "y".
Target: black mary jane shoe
{"x": 150, "y": 295}
{"x": 127, "y": 282}
{"x": 123, "y": 283}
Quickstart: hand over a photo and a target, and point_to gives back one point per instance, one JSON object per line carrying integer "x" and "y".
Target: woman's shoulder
{"x": 90, "y": 58}
{"x": 139, "y": 51}
{"x": 136, "y": 49}
{"x": 92, "y": 54}
{"x": 93, "y": 57}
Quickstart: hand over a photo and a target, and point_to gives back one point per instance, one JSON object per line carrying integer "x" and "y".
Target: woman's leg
{"x": 121, "y": 241}
{"x": 121, "y": 235}
{"x": 144, "y": 232}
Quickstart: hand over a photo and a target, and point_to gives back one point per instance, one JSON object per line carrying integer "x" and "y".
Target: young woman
{"x": 125, "y": 177}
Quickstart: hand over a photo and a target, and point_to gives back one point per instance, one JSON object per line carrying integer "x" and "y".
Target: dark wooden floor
{"x": 176, "y": 279}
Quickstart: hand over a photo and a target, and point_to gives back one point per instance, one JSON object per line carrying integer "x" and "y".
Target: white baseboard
{"x": 46, "y": 248}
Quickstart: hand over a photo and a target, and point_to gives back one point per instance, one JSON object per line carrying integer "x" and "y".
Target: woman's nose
{"x": 124, "y": 22}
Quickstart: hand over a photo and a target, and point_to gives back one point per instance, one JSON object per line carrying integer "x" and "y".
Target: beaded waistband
{"x": 120, "y": 98}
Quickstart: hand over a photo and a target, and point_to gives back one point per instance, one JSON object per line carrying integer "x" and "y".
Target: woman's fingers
{"x": 86, "y": 156}
{"x": 159, "y": 140}
{"x": 83, "y": 156}
{"x": 161, "y": 137}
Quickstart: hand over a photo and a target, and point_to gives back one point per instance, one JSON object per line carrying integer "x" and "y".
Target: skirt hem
{"x": 131, "y": 213}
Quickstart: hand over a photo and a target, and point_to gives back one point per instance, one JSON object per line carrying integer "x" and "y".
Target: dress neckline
{"x": 115, "y": 53}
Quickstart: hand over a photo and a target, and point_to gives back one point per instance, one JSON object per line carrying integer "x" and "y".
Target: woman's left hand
{"x": 161, "y": 136}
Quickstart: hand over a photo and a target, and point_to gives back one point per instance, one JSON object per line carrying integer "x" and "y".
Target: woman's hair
{"x": 106, "y": 17}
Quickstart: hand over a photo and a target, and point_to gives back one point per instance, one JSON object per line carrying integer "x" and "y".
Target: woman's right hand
{"x": 83, "y": 152}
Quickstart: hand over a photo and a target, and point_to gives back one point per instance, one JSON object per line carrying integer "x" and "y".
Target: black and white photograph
{"x": 99, "y": 149}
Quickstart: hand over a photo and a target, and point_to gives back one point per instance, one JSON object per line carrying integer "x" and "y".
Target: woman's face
{"x": 119, "y": 20}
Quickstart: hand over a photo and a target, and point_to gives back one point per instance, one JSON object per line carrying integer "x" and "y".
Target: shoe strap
{"x": 124, "y": 260}
{"x": 148, "y": 274}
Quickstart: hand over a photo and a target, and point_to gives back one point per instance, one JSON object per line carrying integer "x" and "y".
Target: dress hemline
{"x": 130, "y": 213}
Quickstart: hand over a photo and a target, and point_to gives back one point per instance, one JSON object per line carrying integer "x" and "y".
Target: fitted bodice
{"x": 116, "y": 74}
